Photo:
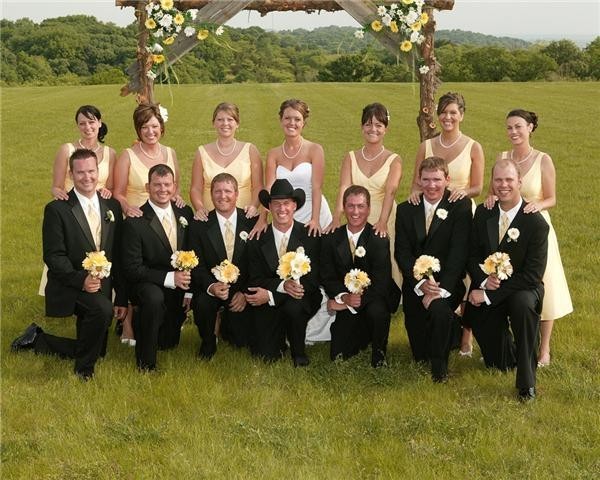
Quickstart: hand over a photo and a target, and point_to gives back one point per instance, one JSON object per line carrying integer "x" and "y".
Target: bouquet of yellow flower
{"x": 226, "y": 272}
{"x": 356, "y": 281}
{"x": 97, "y": 264}
{"x": 424, "y": 266}
{"x": 293, "y": 265}
{"x": 498, "y": 263}
{"x": 184, "y": 260}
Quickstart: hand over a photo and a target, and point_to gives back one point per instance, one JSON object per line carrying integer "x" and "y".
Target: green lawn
{"x": 236, "y": 417}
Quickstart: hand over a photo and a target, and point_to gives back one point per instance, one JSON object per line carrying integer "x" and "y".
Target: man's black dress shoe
{"x": 440, "y": 378}
{"x": 378, "y": 359}
{"x": 85, "y": 375}
{"x": 27, "y": 339}
{"x": 301, "y": 361}
{"x": 526, "y": 394}
{"x": 207, "y": 350}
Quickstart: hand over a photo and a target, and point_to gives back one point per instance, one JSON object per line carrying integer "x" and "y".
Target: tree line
{"x": 79, "y": 49}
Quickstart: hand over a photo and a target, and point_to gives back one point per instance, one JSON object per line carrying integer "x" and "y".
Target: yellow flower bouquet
{"x": 184, "y": 260}
{"x": 356, "y": 281}
{"x": 97, "y": 264}
{"x": 498, "y": 264}
{"x": 425, "y": 266}
{"x": 293, "y": 265}
{"x": 226, "y": 272}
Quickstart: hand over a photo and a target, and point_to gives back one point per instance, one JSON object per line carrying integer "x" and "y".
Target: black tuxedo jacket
{"x": 146, "y": 248}
{"x": 447, "y": 240}
{"x": 263, "y": 261}
{"x": 528, "y": 253}
{"x": 336, "y": 262}
{"x": 206, "y": 240}
{"x": 67, "y": 238}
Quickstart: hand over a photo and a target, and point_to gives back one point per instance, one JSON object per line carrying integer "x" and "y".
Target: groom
{"x": 494, "y": 304}
{"x": 283, "y": 307}
{"x": 84, "y": 223}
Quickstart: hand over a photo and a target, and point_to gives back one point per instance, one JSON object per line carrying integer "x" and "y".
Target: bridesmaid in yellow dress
{"x": 377, "y": 169}
{"x": 131, "y": 173}
{"x": 465, "y": 167}
{"x": 226, "y": 154}
{"x": 92, "y": 131}
{"x": 538, "y": 188}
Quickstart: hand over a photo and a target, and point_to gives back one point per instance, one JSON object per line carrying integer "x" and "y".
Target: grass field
{"x": 236, "y": 417}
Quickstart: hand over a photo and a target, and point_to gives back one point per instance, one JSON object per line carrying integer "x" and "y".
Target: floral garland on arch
{"x": 165, "y": 23}
{"x": 405, "y": 18}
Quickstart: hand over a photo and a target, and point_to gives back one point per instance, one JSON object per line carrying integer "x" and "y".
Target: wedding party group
{"x": 264, "y": 263}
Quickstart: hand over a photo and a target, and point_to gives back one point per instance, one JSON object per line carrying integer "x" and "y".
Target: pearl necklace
{"x": 362, "y": 151}
{"x": 524, "y": 159}
{"x": 152, "y": 157}
{"x": 452, "y": 144}
{"x": 291, "y": 157}
{"x": 86, "y": 148}
{"x": 223, "y": 154}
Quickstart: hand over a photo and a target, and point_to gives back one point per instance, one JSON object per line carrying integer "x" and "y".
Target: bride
{"x": 302, "y": 162}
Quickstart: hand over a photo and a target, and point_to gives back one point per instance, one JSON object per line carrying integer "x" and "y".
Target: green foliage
{"x": 238, "y": 418}
{"x": 79, "y": 45}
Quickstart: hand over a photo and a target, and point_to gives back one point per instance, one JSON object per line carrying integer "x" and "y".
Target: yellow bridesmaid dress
{"x": 138, "y": 178}
{"x": 557, "y": 299}
{"x": 239, "y": 167}
{"x": 375, "y": 184}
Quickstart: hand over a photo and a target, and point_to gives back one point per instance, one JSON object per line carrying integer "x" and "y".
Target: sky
{"x": 577, "y": 20}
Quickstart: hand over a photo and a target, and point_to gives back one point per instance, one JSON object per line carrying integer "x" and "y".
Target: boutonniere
{"x": 513, "y": 234}
{"x": 360, "y": 252}
{"x": 110, "y": 216}
{"x": 183, "y": 222}
{"x": 441, "y": 213}
{"x": 244, "y": 235}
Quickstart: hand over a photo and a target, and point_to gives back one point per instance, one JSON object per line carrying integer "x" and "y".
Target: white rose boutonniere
{"x": 360, "y": 252}
{"x": 441, "y": 213}
{"x": 183, "y": 222}
{"x": 244, "y": 235}
{"x": 513, "y": 234}
{"x": 110, "y": 216}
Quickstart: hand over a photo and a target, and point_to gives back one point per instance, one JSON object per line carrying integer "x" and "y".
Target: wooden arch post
{"x": 220, "y": 11}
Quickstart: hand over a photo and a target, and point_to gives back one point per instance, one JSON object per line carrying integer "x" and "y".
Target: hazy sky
{"x": 517, "y": 18}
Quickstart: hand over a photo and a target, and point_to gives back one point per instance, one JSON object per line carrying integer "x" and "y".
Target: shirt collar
{"x": 161, "y": 212}
{"x": 232, "y": 218}
{"x": 512, "y": 213}
{"x": 354, "y": 236}
{"x": 85, "y": 201}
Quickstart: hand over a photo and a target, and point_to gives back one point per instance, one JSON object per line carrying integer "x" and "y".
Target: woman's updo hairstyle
{"x": 92, "y": 113}
{"x": 529, "y": 117}
{"x": 449, "y": 98}
{"x": 230, "y": 109}
{"x": 297, "y": 105}
{"x": 376, "y": 110}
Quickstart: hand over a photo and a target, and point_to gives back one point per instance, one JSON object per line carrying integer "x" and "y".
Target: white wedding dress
{"x": 318, "y": 326}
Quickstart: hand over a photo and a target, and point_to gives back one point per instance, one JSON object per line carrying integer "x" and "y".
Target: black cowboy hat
{"x": 280, "y": 189}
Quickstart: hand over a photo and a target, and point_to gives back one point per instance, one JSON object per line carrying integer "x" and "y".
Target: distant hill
{"x": 464, "y": 37}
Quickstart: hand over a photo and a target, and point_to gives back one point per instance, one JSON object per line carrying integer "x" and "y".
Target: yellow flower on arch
{"x": 169, "y": 40}
{"x": 179, "y": 19}
{"x": 394, "y": 26}
{"x": 424, "y": 18}
{"x": 407, "y": 2}
{"x": 376, "y": 26}
{"x": 406, "y": 46}
{"x": 150, "y": 23}
{"x": 202, "y": 34}
{"x": 166, "y": 4}
{"x": 416, "y": 26}
{"x": 160, "y": 58}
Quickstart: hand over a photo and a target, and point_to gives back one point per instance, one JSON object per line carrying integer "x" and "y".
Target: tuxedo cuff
{"x": 271, "y": 299}
{"x": 170, "y": 280}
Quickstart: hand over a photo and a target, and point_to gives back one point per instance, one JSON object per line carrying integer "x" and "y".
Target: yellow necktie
{"x": 229, "y": 239}
{"x": 352, "y": 246}
{"x": 94, "y": 223}
{"x": 429, "y": 218}
{"x": 283, "y": 246}
{"x": 166, "y": 223}
{"x": 503, "y": 226}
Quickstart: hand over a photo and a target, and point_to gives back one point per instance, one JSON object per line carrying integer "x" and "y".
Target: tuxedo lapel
{"x": 214, "y": 236}
{"x": 437, "y": 221}
{"x": 79, "y": 215}
{"x": 155, "y": 225}
{"x": 343, "y": 248}
{"x": 239, "y": 244}
{"x": 105, "y": 222}
{"x": 268, "y": 249}
{"x": 180, "y": 228}
{"x": 419, "y": 222}
{"x": 493, "y": 229}
{"x": 363, "y": 240}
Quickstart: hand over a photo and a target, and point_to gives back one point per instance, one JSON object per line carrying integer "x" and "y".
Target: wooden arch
{"x": 220, "y": 11}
